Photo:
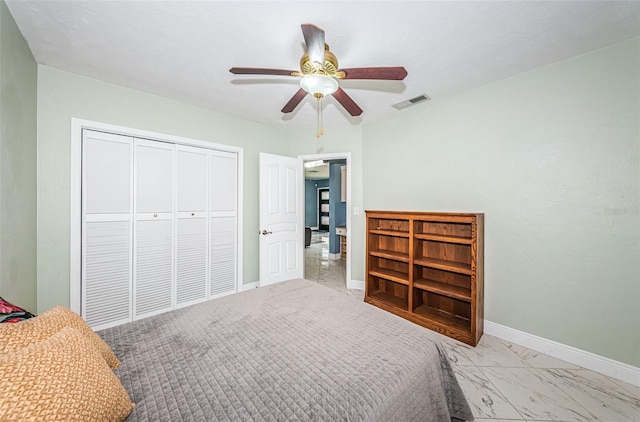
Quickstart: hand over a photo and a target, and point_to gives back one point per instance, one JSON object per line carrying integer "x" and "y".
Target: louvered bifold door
{"x": 191, "y": 225}
{"x": 153, "y": 236}
{"x": 223, "y": 200}
{"x": 106, "y": 228}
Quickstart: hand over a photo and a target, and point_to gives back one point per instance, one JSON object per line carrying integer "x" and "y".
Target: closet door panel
{"x": 153, "y": 282}
{"x": 106, "y": 265}
{"x": 223, "y": 255}
{"x": 154, "y": 184}
{"x": 191, "y": 246}
{"x": 107, "y": 273}
{"x": 224, "y": 181}
{"x": 223, "y": 233}
{"x": 191, "y": 261}
{"x": 154, "y": 267}
{"x": 192, "y": 179}
{"x": 107, "y": 170}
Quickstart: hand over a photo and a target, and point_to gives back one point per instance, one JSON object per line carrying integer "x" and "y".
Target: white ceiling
{"x": 183, "y": 49}
{"x": 317, "y": 173}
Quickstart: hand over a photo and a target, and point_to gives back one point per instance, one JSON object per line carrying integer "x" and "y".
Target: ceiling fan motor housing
{"x": 330, "y": 64}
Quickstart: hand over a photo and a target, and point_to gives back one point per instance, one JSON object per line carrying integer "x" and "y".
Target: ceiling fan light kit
{"x": 319, "y": 84}
{"x": 320, "y": 74}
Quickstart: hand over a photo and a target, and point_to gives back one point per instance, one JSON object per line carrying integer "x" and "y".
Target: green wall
{"x": 551, "y": 157}
{"x": 18, "y": 85}
{"x": 62, "y": 96}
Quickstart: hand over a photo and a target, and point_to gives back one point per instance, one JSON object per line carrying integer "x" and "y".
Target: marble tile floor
{"x": 328, "y": 272}
{"x": 504, "y": 381}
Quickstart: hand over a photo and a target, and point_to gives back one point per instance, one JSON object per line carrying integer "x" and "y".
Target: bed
{"x": 292, "y": 351}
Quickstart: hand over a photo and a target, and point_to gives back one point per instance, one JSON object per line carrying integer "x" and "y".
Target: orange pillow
{"x": 36, "y": 329}
{"x": 63, "y": 378}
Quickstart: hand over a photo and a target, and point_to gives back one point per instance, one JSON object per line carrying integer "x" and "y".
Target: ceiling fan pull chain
{"x": 321, "y": 117}
{"x": 319, "y": 131}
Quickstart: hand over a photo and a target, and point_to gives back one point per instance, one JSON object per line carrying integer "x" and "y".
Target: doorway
{"x": 327, "y": 257}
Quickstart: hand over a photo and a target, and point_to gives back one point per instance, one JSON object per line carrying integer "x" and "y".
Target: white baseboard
{"x": 588, "y": 360}
{"x": 250, "y": 286}
{"x": 356, "y": 284}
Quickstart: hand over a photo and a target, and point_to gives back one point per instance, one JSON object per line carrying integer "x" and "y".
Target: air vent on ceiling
{"x": 412, "y": 101}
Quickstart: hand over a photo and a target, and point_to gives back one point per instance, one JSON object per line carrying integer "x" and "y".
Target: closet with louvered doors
{"x": 159, "y": 226}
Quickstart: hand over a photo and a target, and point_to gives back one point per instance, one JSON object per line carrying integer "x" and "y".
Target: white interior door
{"x": 281, "y": 219}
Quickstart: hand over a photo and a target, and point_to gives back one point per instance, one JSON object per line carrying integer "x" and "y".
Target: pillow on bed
{"x": 12, "y": 313}
{"x": 63, "y": 378}
{"x": 34, "y": 330}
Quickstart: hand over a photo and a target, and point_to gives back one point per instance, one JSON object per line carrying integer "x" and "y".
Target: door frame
{"x": 339, "y": 156}
{"x": 75, "y": 211}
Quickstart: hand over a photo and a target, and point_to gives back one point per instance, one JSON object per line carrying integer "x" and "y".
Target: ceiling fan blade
{"x": 347, "y": 102}
{"x": 396, "y": 73}
{"x": 261, "y": 71}
{"x": 314, "y": 39}
{"x": 294, "y": 101}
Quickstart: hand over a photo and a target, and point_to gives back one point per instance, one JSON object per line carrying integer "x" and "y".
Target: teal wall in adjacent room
{"x": 311, "y": 200}
{"x": 337, "y": 208}
{"x": 552, "y": 157}
{"x": 18, "y": 132}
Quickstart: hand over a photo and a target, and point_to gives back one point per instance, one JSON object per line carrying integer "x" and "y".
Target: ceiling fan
{"x": 320, "y": 74}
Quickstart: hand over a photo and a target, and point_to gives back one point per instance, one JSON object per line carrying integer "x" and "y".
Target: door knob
{"x": 264, "y": 232}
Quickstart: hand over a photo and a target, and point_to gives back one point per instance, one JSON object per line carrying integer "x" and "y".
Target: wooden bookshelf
{"x": 428, "y": 268}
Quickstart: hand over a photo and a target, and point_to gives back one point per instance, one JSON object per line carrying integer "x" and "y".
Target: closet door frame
{"x": 75, "y": 214}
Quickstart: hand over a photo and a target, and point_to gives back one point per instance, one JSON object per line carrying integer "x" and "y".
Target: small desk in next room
{"x": 342, "y": 232}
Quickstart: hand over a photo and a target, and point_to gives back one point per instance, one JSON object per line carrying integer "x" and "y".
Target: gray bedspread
{"x": 293, "y": 351}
